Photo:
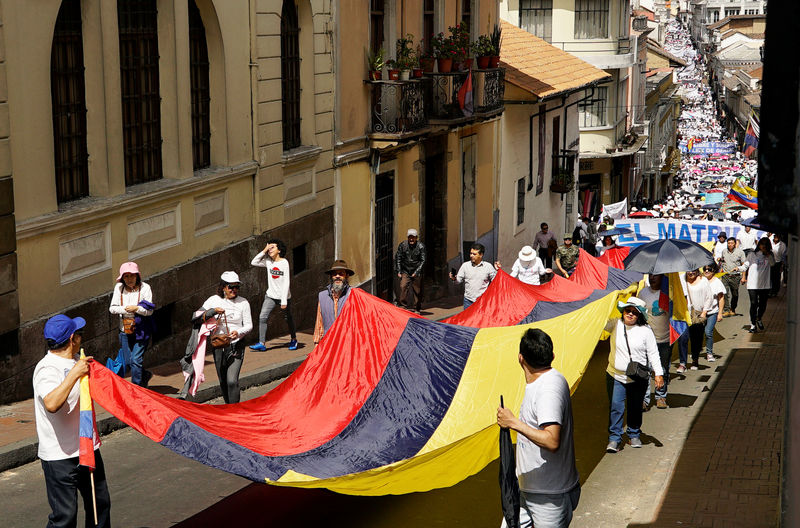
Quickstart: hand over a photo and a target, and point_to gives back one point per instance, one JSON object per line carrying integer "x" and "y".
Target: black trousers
{"x": 758, "y": 304}
{"x": 547, "y": 260}
{"x": 228, "y": 368}
{"x": 696, "y": 334}
{"x": 64, "y": 479}
{"x": 775, "y": 277}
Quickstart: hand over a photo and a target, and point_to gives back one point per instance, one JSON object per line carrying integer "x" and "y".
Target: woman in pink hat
{"x": 127, "y": 300}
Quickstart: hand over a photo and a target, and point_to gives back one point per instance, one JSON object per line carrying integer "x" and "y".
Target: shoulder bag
{"x": 221, "y": 337}
{"x": 635, "y": 370}
{"x": 128, "y": 323}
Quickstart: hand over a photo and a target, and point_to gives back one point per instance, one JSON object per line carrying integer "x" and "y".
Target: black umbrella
{"x": 509, "y": 485}
{"x": 615, "y": 232}
{"x": 668, "y": 256}
{"x": 712, "y": 206}
{"x": 757, "y": 223}
{"x": 692, "y": 211}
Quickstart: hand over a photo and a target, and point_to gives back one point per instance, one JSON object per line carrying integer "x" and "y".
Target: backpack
{"x": 576, "y": 236}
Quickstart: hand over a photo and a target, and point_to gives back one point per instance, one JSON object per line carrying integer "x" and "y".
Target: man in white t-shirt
{"x": 747, "y": 239}
{"x": 56, "y": 400}
{"x": 548, "y": 477}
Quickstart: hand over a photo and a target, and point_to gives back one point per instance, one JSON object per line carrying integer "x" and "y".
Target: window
{"x": 520, "y": 201}
{"x": 141, "y": 101}
{"x": 591, "y": 19}
{"x": 201, "y": 97}
{"x": 715, "y": 15}
{"x": 466, "y": 15}
{"x": 299, "y": 262}
{"x": 542, "y": 148}
{"x": 592, "y": 113}
{"x": 731, "y": 12}
{"x": 69, "y": 105}
{"x": 290, "y": 75}
{"x": 428, "y": 28}
{"x": 536, "y": 17}
{"x": 376, "y": 9}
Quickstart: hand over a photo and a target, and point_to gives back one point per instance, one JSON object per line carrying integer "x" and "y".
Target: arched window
{"x": 141, "y": 100}
{"x": 201, "y": 97}
{"x": 290, "y": 75}
{"x": 69, "y": 104}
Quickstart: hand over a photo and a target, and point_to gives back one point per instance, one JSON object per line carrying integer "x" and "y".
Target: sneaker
{"x": 259, "y": 347}
{"x": 293, "y": 344}
{"x": 752, "y": 329}
{"x": 694, "y": 366}
{"x": 661, "y": 403}
{"x": 612, "y": 447}
{"x": 681, "y": 369}
{"x": 710, "y": 357}
{"x": 636, "y": 442}
{"x": 760, "y": 325}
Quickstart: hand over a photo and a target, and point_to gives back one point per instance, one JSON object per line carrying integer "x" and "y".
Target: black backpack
{"x": 576, "y": 235}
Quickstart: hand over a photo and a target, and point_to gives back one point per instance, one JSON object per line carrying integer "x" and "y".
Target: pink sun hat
{"x": 128, "y": 267}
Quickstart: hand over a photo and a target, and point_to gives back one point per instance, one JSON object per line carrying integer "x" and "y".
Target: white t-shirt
{"x": 237, "y": 312}
{"x": 657, "y": 318}
{"x": 700, "y": 297}
{"x": 719, "y": 247}
{"x": 58, "y": 431}
{"x": 778, "y": 250}
{"x": 643, "y": 349}
{"x": 747, "y": 240}
{"x": 716, "y": 288}
{"x": 758, "y": 267}
{"x": 277, "y": 276}
{"x": 121, "y": 298}
{"x": 528, "y": 272}
{"x": 547, "y": 401}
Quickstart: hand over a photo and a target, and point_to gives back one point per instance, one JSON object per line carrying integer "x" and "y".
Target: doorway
{"x": 434, "y": 221}
{"x": 384, "y": 235}
{"x": 469, "y": 225}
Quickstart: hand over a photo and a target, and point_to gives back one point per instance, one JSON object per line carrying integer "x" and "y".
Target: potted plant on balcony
{"x": 563, "y": 181}
{"x": 495, "y": 37}
{"x": 444, "y": 50}
{"x": 405, "y": 61}
{"x": 375, "y": 63}
{"x": 459, "y": 36}
{"x": 416, "y": 58}
{"x": 426, "y": 57}
{"x": 394, "y": 70}
{"x": 483, "y": 50}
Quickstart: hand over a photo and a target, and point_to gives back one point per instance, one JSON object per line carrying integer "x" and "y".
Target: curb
{"x": 25, "y": 451}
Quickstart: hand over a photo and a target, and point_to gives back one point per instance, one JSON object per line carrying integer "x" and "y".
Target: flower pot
{"x": 494, "y": 61}
{"x": 405, "y": 75}
{"x": 483, "y": 62}
{"x": 417, "y": 73}
{"x": 394, "y": 75}
{"x": 426, "y": 64}
{"x": 375, "y": 75}
{"x": 444, "y": 65}
{"x": 466, "y": 64}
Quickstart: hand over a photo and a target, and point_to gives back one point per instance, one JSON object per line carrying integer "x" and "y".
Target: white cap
{"x": 230, "y": 277}
{"x": 412, "y": 232}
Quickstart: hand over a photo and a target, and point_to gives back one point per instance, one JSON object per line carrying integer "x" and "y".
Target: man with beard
{"x": 332, "y": 298}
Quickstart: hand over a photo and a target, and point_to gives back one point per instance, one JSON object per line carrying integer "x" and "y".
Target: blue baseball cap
{"x": 59, "y": 328}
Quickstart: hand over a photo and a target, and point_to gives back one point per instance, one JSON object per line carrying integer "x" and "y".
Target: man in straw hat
{"x": 332, "y": 298}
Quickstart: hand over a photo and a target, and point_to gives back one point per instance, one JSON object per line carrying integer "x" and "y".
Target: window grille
{"x": 376, "y": 12}
{"x": 141, "y": 101}
{"x": 201, "y": 95}
{"x": 69, "y": 105}
{"x": 536, "y": 17}
{"x": 520, "y": 201}
{"x": 591, "y": 19}
{"x": 428, "y": 29}
{"x": 593, "y": 113}
{"x": 290, "y": 75}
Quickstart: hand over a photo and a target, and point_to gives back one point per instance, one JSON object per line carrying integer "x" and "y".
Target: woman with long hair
{"x": 757, "y": 278}
{"x": 131, "y": 298}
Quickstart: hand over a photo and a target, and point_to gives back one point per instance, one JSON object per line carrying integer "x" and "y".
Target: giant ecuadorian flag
{"x": 388, "y": 402}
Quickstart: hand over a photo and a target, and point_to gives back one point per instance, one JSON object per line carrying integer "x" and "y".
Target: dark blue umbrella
{"x": 756, "y": 223}
{"x": 615, "y": 232}
{"x": 712, "y": 206}
{"x": 668, "y": 256}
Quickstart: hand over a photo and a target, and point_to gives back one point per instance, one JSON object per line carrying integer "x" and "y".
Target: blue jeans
{"x": 619, "y": 394}
{"x": 266, "y": 308}
{"x": 683, "y": 348}
{"x": 133, "y": 354}
{"x": 467, "y": 303}
{"x": 665, "y": 355}
{"x": 545, "y": 510}
{"x": 711, "y": 321}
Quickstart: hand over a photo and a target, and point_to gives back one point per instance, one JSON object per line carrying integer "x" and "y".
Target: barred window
{"x": 201, "y": 95}
{"x": 69, "y": 105}
{"x": 520, "y": 201}
{"x": 466, "y": 15}
{"x": 141, "y": 100}
{"x": 428, "y": 29}
{"x": 593, "y": 113}
{"x": 536, "y": 17}
{"x": 591, "y": 19}
{"x": 290, "y": 75}
{"x": 376, "y": 11}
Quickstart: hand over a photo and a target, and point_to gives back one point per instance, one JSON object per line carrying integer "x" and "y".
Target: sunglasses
{"x": 232, "y": 286}
{"x": 706, "y": 270}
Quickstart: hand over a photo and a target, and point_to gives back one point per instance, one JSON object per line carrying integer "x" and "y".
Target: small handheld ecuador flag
{"x": 88, "y": 425}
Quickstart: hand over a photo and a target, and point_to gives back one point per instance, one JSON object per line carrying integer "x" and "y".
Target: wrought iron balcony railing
{"x": 563, "y": 171}
{"x": 398, "y": 107}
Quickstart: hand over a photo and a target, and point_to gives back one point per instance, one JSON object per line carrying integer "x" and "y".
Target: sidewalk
{"x": 18, "y": 441}
{"x": 713, "y": 458}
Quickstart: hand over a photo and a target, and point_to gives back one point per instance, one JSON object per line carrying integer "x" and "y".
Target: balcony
{"x": 405, "y": 109}
{"x": 563, "y": 171}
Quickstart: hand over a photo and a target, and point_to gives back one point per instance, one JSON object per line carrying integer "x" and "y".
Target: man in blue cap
{"x": 56, "y": 396}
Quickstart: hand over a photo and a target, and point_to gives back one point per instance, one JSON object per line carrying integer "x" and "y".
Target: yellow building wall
{"x": 406, "y": 194}
{"x": 485, "y": 177}
{"x": 454, "y": 194}
{"x": 356, "y": 219}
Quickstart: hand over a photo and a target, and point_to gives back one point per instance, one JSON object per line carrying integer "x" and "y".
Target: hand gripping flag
{"x": 88, "y": 425}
